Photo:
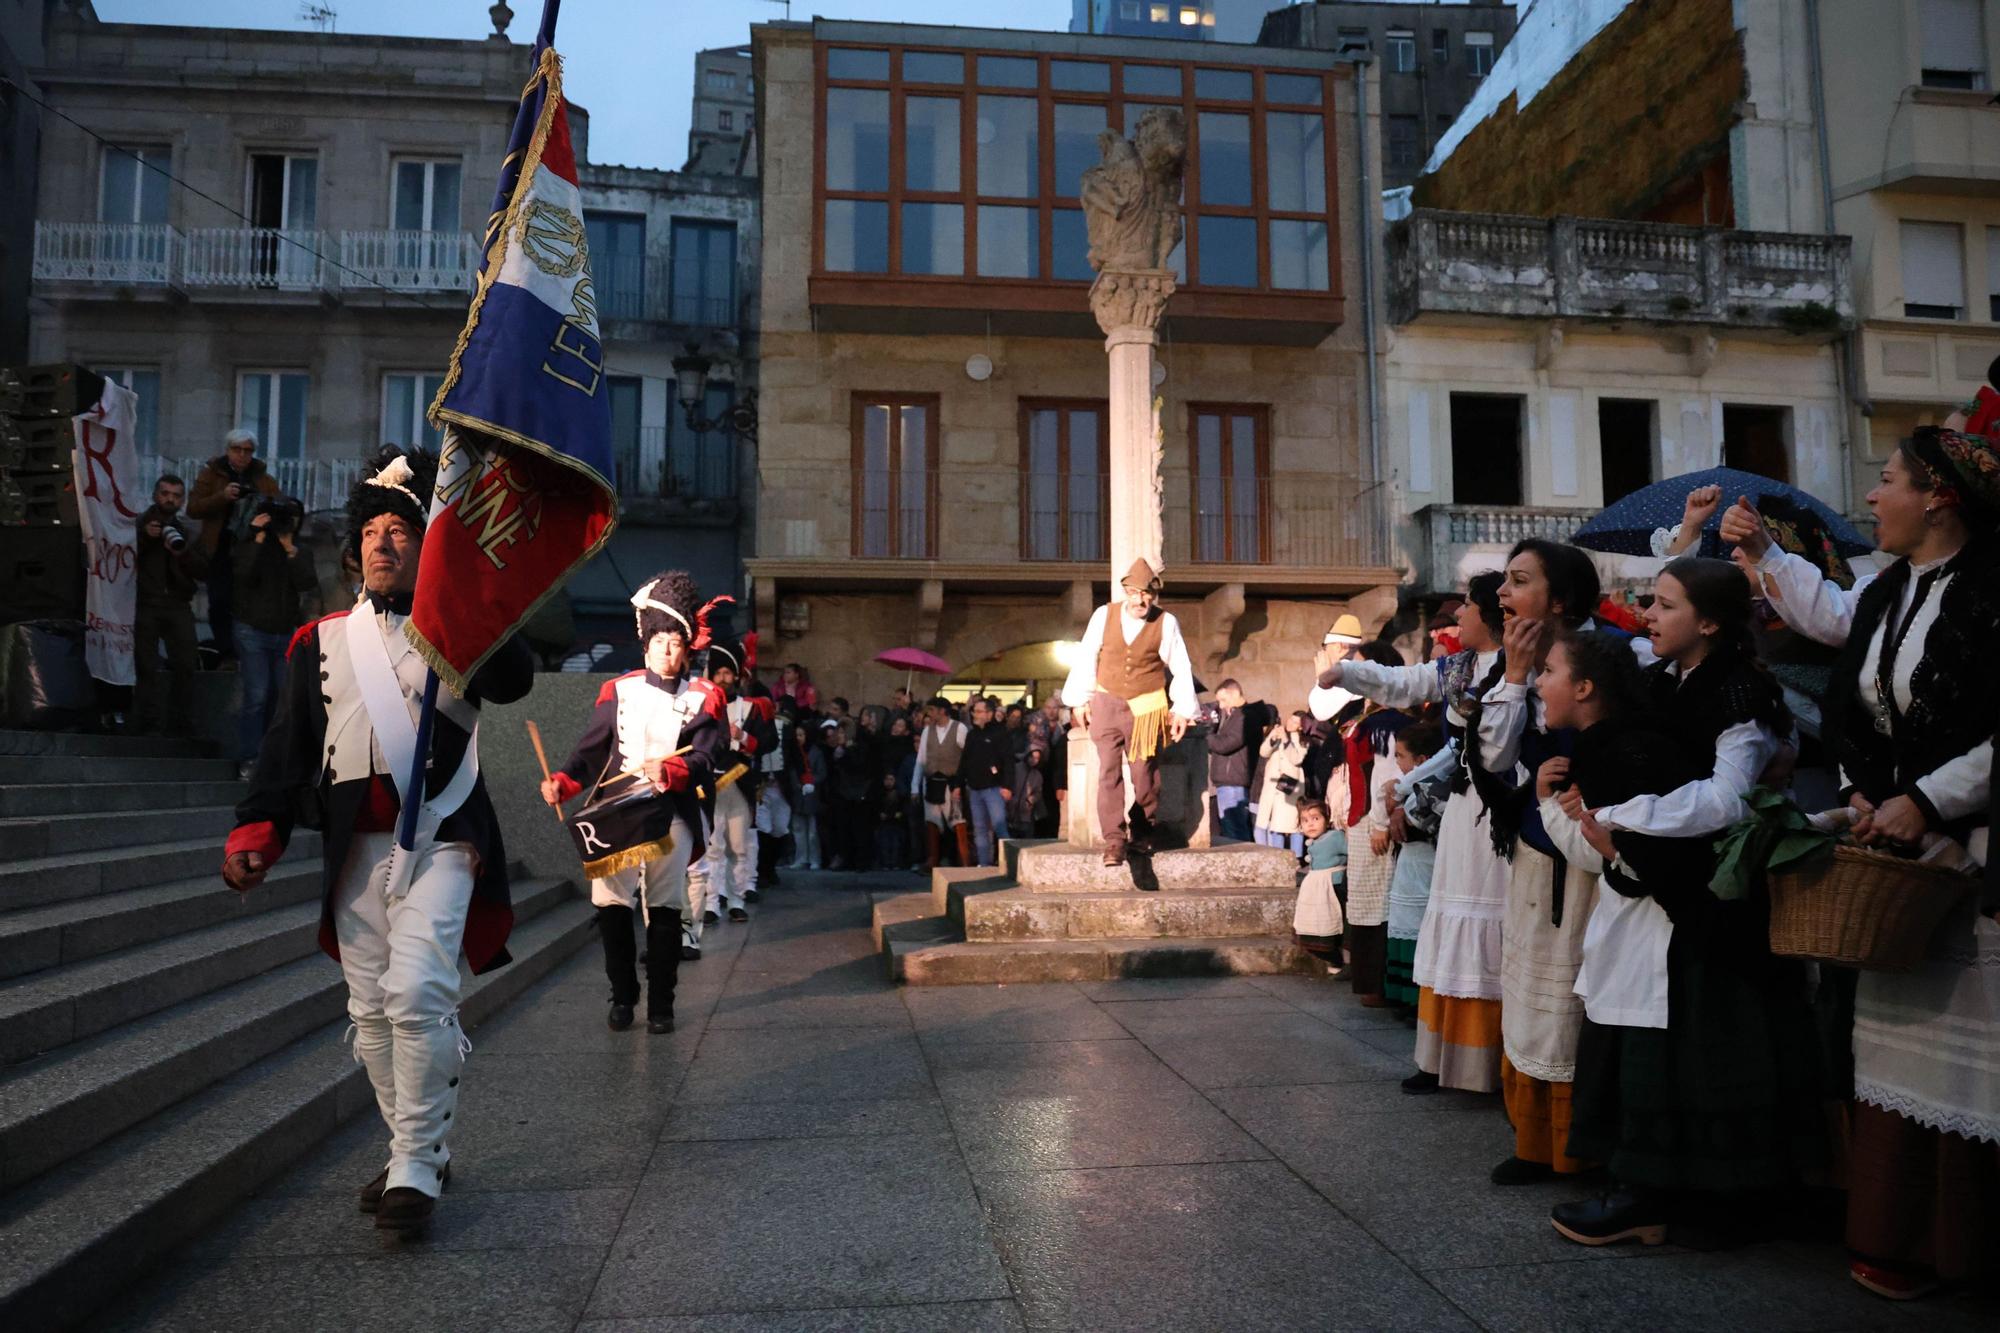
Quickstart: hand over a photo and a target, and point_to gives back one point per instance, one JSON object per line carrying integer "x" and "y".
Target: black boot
{"x": 1616, "y": 1215}
{"x": 663, "y": 952}
{"x": 406, "y": 1212}
{"x": 621, "y": 963}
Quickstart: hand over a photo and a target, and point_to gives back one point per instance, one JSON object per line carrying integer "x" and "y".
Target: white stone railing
{"x": 1599, "y": 269}
{"x": 320, "y": 483}
{"x": 122, "y": 254}
{"x": 409, "y": 261}
{"x": 1450, "y": 533}
{"x": 270, "y": 257}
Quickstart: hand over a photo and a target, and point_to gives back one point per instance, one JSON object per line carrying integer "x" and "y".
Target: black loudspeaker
{"x": 48, "y": 391}
{"x": 41, "y": 573}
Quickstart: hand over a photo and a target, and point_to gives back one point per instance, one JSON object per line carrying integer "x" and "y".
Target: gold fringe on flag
{"x": 1149, "y": 723}
{"x": 606, "y": 866}
{"x": 731, "y": 776}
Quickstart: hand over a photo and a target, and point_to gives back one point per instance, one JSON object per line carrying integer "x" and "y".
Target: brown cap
{"x": 1142, "y": 573}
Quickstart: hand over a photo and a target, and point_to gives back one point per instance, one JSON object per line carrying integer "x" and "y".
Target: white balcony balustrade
{"x": 276, "y": 258}
{"x": 409, "y": 261}
{"x": 123, "y": 254}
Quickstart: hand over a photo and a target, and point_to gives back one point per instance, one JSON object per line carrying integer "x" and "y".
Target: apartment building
{"x": 934, "y": 430}
{"x": 724, "y": 114}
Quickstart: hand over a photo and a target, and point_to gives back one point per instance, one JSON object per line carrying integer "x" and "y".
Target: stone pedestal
{"x": 1184, "y": 803}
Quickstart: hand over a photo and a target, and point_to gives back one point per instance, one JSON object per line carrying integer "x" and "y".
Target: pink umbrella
{"x": 913, "y": 660}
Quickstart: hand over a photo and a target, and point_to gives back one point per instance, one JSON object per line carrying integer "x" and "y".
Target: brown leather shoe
{"x": 1114, "y": 853}
{"x": 405, "y": 1211}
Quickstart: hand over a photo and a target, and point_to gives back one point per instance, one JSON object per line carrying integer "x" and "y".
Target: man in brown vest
{"x": 1131, "y": 683}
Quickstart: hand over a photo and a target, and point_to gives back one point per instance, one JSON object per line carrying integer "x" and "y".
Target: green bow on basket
{"x": 1777, "y": 835}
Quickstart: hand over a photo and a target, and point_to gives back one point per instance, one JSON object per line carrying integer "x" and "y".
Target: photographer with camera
{"x": 226, "y": 494}
{"x": 271, "y": 574}
{"x": 168, "y": 564}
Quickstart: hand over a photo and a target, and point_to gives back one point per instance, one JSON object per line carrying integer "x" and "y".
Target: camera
{"x": 172, "y": 537}
{"x": 286, "y": 513}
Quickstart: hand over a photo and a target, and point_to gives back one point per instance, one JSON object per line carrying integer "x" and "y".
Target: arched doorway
{"x": 1029, "y": 670}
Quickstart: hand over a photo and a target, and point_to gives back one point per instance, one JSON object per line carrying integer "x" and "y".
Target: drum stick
{"x": 541, "y": 756}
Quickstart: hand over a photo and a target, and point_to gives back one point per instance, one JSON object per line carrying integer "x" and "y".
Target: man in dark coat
{"x": 338, "y": 750}
{"x": 1232, "y": 755}
{"x": 226, "y": 492}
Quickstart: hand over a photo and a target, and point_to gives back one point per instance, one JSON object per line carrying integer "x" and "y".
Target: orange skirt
{"x": 1540, "y": 1114}
{"x": 1459, "y": 1040}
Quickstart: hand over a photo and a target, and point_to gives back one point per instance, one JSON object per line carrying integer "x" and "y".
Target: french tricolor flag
{"x": 525, "y": 491}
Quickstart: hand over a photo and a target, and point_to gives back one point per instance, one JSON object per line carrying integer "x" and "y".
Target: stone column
{"x": 1128, "y": 304}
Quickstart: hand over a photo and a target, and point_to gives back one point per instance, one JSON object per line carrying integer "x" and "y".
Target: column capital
{"x": 1129, "y": 302}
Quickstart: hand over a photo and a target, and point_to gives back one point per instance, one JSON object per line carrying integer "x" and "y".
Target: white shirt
{"x": 1082, "y": 682}
{"x": 1623, "y": 976}
{"x": 1401, "y": 687}
{"x": 1821, "y": 609}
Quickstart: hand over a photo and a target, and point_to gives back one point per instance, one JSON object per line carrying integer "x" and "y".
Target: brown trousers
{"x": 1110, "y": 731}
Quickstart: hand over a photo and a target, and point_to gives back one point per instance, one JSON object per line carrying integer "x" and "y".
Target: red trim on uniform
{"x": 712, "y": 701}
{"x": 306, "y": 629}
{"x": 750, "y": 653}
{"x": 567, "y": 787}
{"x": 674, "y": 773}
{"x": 765, "y": 709}
{"x": 261, "y": 837}
{"x": 610, "y": 690}
{"x": 487, "y": 926}
{"x": 380, "y": 806}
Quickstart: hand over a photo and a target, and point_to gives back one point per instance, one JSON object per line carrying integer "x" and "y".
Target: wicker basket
{"x": 1863, "y": 908}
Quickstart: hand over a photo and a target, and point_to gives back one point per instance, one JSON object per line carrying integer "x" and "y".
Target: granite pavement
{"x": 816, "y": 1149}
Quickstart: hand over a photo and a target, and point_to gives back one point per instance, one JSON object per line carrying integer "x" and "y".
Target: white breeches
{"x": 401, "y": 964}
{"x": 662, "y": 882}
{"x": 729, "y": 867}
{"x": 774, "y": 812}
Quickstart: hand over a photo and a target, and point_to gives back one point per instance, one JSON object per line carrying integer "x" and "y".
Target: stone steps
{"x": 107, "y": 769}
{"x": 40, "y": 937}
{"x": 66, "y": 1003}
{"x": 75, "y": 1235}
{"x": 72, "y": 875}
{"x": 24, "y": 800}
{"x": 64, "y": 1103}
{"x": 52, "y": 835}
{"x": 15, "y": 742}
{"x": 943, "y": 961}
{"x": 1003, "y": 915}
{"x": 1056, "y": 867}
{"x": 1056, "y": 913}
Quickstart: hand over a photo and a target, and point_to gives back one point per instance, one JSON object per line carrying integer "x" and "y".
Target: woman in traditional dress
{"x": 1697, "y": 1074}
{"x": 1416, "y": 804}
{"x": 1362, "y": 810}
{"x": 1548, "y": 586}
{"x": 1910, "y": 719}
{"x": 1457, "y": 967}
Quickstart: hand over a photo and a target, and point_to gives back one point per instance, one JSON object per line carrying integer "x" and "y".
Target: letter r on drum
{"x": 591, "y": 842}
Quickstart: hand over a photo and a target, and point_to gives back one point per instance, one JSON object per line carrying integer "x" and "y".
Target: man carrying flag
{"x": 521, "y": 500}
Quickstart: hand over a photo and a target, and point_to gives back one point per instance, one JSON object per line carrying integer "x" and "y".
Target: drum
{"x": 619, "y": 832}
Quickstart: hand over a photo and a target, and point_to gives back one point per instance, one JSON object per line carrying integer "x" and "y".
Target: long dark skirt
{"x": 1726, "y": 1097}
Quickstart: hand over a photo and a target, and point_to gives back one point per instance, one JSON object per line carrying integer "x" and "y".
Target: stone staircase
{"x": 1051, "y": 912}
{"x": 166, "y": 1046}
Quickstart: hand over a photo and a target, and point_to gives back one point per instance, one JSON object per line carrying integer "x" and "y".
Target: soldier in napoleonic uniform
{"x": 666, "y": 728}
{"x": 724, "y": 878}
{"x": 340, "y": 746}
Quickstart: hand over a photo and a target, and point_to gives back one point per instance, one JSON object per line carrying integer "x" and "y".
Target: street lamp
{"x": 691, "y": 387}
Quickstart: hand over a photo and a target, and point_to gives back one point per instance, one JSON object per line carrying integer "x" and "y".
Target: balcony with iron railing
{"x": 1498, "y": 265}
{"x": 678, "y": 466}
{"x": 641, "y": 289}
{"x": 1002, "y": 524}
{"x": 319, "y": 483}
{"x": 109, "y": 257}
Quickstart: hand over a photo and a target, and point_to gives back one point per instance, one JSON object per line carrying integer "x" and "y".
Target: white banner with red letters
{"x": 108, "y": 503}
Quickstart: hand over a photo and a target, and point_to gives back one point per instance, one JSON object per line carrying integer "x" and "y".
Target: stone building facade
{"x": 1433, "y": 58}
{"x": 1663, "y": 298}
{"x": 723, "y": 116}
{"x": 931, "y": 462}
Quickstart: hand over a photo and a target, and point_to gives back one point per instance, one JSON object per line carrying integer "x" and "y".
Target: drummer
{"x": 659, "y": 726}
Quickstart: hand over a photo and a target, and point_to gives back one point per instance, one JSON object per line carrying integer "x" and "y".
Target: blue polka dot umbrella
{"x": 1627, "y": 527}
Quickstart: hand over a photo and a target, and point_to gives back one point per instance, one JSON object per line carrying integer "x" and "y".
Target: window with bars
{"x": 1404, "y": 145}
{"x": 967, "y": 164}
{"x": 618, "y": 263}
{"x": 895, "y": 475}
{"x": 1065, "y": 456}
{"x": 1230, "y": 460}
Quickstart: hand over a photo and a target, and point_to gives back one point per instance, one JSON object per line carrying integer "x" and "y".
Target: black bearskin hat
{"x": 396, "y": 483}
{"x": 715, "y": 631}
{"x": 665, "y": 604}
